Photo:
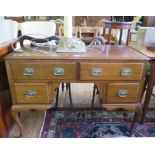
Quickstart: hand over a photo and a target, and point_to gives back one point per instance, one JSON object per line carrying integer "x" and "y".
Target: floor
{"x": 33, "y": 120}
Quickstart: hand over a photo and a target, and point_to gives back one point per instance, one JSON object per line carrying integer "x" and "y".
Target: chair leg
{"x": 133, "y": 124}
{"x": 62, "y": 86}
{"x": 70, "y": 96}
{"x": 57, "y": 98}
{"x": 94, "y": 88}
{"x": 67, "y": 86}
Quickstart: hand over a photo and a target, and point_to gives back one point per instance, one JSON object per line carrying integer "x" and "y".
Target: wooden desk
{"x": 5, "y": 103}
{"x": 118, "y": 71}
{"x": 151, "y": 81}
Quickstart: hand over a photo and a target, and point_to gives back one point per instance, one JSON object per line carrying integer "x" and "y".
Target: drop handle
{"x": 31, "y": 93}
{"x": 122, "y": 93}
{"x": 96, "y": 71}
{"x": 29, "y": 71}
{"x": 126, "y": 71}
{"x": 58, "y": 71}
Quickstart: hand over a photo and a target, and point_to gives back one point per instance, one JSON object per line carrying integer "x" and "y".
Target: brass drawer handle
{"x": 126, "y": 71}
{"x": 96, "y": 71}
{"x": 58, "y": 71}
{"x": 31, "y": 93}
{"x": 29, "y": 71}
{"x": 122, "y": 93}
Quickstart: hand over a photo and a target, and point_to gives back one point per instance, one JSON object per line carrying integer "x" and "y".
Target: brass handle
{"x": 31, "y": 93}
{"x": 126, "y": 71}
{"x": 28, "y": 71}
{"x": 96, "y": 71}
{"x": 58, "y": 71}
{"x": 122, "y": 93}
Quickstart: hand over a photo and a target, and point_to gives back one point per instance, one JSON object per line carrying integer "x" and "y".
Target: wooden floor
{"x": 81, "y": 95}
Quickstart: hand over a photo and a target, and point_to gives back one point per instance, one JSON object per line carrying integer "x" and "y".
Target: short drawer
{"x": 32, "y": 93}
{"x": 122, "y": 92}
{"x": 111, "y": 71}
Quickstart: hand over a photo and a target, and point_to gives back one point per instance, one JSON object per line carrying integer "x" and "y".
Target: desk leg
{"x": 17, "y": 120}
{"x": 137, "y": 116}
{"x": 149, "y": 90}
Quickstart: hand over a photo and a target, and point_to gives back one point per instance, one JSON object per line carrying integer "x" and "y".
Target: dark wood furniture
{"x": 118, "y": 71}
{"x": 151, "y": 80}
{"x": 116, "y": 25}
{"x": 5, "y": 100}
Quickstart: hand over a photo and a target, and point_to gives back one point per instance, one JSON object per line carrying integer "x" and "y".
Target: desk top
{"x": 109, "y": 52}
{"x": 143, "y": 50}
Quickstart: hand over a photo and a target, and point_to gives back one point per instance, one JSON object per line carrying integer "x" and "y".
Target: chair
{"x": 121, "y": 26}
{"x": 110, "y": 25}
{"x": 87, "y": 34}
{"x": 75, "y": 31}
{"x": 43, "y": 30}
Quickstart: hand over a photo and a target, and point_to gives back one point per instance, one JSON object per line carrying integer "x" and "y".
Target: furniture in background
{"x": 75, "y": 31}
{"x": 117, "y": 26}
{"x": 38, "y": 29}
{"x": 5, "y": 99}
{"x": 87, "y": 34}
{"x": 146, "y": 36}
{"x": 8, "y": 30}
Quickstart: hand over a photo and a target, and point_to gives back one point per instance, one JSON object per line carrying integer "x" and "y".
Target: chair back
{"x": 118, "y": 26}
{"x": 74, "y": 30}
{"x": 87, "y": 32}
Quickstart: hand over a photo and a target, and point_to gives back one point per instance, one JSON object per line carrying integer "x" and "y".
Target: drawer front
{"x": 31, "y": 71}
{"x": 66, "y": 71}
{"x": 32, "y": 93}
{"x": 111, "y": 71}
{"x": 122, "y": 92}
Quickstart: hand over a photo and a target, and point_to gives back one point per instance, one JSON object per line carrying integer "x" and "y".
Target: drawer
{"x": 32, "y": 93}
{"x": 122, "y": 92}
{"x": 111, "y": 71}
{"x": 29, "y": 71}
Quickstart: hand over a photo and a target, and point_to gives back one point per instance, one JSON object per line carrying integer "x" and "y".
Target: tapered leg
{"x": 93, "y": 94}
{"x": 70, "y": 96}
{"x": 57, "y": 98}
{"x": 62, "y": 86}
{"x": 133, "y": 124}
{"x": 19, "y": 124}
{"x": 67, "y": 86}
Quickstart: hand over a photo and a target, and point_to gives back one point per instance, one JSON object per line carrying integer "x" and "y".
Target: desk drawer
{"x": 111, "y": 71}
{"x": 122, "y": 92}
{"x": 32, "y": 93}
{"x": 29, "y": 71}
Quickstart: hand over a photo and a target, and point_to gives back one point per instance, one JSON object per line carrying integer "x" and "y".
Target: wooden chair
{"x": 117, "y": 26}
{"x": 75, "y": 31}
{"x": 87, "y": 34}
